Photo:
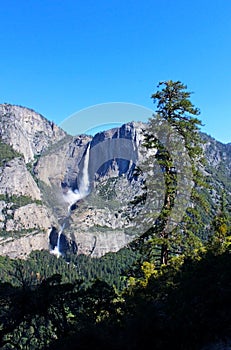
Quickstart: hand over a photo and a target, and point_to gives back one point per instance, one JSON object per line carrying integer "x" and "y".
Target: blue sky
{"x": 58, "y": 57}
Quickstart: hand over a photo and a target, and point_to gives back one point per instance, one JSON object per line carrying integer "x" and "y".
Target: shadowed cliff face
{"x": 40, "y": 185}
{"x": 114, "y": 152}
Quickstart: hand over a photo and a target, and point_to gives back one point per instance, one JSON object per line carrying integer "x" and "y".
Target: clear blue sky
{"x": 58, "y": 57}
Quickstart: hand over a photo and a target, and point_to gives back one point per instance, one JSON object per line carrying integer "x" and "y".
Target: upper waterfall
{"x": 72, "y": 196}
{"x": 84, "y": 181}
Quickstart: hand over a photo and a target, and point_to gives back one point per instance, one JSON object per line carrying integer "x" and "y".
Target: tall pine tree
{"x": 174, "y": 127}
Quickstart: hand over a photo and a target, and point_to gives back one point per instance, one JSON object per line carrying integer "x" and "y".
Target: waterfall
{"x": 84, "y": 183}
{"x": 56, "y": 251}
{"x": 73, "y": 197}
{"x": 59, "y": 236}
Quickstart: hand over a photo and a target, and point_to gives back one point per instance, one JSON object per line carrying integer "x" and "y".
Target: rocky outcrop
{"x": 26, "y": 131}
{"x": 30, "y": 216}
{"x": 24, "y": 229}
{"x": 22, "y": 246}
{"x": 100, "y": 243}
{"x": 15, "y": 179}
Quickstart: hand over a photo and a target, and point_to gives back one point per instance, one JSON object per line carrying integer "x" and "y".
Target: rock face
{"x": 87, "y": 185}
{"x": 26, "y": 131}
{"x": 28, "y": 217}
{"x": 24, "y": 219}
{"x": 15, "y": 179}
{"x": 218, "y": 154}
{"x": 62, "y": 162}
{"x": 21, "y": 247}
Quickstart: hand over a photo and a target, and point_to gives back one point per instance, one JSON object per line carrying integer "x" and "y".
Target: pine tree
{"x": 173, "y": 135}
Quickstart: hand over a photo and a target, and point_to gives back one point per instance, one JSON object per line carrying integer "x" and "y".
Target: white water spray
{"x": 56, "y": 251}
{"x": 84, "y": 183}
{"x": 72, "y": 197}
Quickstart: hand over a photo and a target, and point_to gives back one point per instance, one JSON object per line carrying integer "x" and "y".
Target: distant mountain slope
{"x": 218, "y": 156}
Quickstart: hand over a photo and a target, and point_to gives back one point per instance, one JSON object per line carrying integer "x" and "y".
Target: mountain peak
{"x": 27, "y": 131}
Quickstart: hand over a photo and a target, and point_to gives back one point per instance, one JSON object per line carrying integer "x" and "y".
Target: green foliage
{"x": 18, "y": 201}
{"x": 7, "y": 153}
{"x": 167, "y": 308}
{"x": 41, "y": 265}
{"x": 48, "y": 307}
{"x": 220, "y": 237}
{"x": 107, "y": 190}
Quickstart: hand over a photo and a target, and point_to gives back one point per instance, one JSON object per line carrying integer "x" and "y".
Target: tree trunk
{"x": 164, "y": 252}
